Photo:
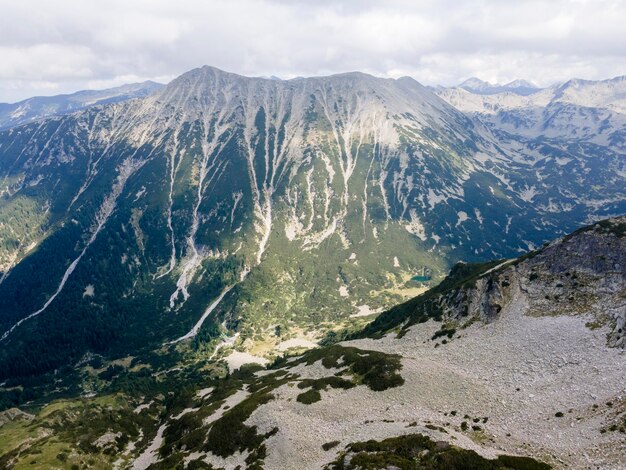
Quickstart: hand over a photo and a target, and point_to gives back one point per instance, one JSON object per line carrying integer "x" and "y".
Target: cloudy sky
{"x": 57, "y": 46}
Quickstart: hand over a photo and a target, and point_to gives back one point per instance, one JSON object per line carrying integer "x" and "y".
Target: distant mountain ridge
{"x": 577, "y": 111}
{"x": 39, "y": 107}
{"x": 519, "y": 87}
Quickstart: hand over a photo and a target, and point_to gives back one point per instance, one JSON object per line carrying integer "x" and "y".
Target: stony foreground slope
{"x": 522, "y": 358}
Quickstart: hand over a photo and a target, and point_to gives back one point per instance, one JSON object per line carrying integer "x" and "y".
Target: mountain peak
{"x": 475, "y": 83}
{"x": 201, "y": 87}
{"x": 211, "y": 72}
{"x": 520, "y": 83}
{"x": 481, "y": 87}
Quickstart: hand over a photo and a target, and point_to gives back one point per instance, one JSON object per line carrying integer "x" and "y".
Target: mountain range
{"x": 578, "y": 110}
{"x": 221, "y": 203}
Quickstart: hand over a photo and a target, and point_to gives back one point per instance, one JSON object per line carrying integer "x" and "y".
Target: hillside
{"x": 514, "y": 364}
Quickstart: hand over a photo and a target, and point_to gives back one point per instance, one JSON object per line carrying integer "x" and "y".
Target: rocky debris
{"x": 13, "y": 414}
{"x": 106, "y": 439}
{"x": 581, "y": 274}
{"x": 522, "y": 366}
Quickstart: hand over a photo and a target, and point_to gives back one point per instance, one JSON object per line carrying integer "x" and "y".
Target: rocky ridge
{"x": 581, "y": 273}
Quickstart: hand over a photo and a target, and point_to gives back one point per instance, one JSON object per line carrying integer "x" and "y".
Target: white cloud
{"x": 74, "y": 44}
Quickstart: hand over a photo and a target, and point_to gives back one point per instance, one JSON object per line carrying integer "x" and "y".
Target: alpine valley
{"x": 221, "y": 271}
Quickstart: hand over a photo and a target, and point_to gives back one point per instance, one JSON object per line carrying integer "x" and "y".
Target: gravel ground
{"x": 236, "y": 359}
{"x": 518, "y": 372}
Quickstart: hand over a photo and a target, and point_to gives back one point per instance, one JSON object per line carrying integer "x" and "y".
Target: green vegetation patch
{"x": 449, "y": 332}
{"x": 313, "y": 395}
{"x": 377, "y": 370}
{"x": 325, "y": 382}
{"x": 229, "y": 434}
{"x": 416, "y": 451}
{"x": 85, "y": 432}
{"x": 330, "y": 445}
{"x": 308, "y": 397}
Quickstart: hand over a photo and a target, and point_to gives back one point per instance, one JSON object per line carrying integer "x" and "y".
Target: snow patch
{"x": 478, "y": 215}
{"x": 140, "y": 193}
{"x": 415, "y": 226}
{"x": 434, "y": 199}
{"x": 462, "y": 215}
{"x": 528, "y": 193}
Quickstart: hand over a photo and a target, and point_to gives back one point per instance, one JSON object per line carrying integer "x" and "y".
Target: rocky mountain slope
{"x": 514, "y": 364}
{"x": 580, "y": 273}
{"x": 39, "y": 107}
{"x": 271, "y": 209}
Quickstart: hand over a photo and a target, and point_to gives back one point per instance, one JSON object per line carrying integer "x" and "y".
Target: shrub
{"x": 416, "y": 451}
{"x": 379, "y": 371}
{"x": 449, "y": 332}
{"x": 308, "y": 397}
{"x": 110, "y": 372}
{"x": 329, "y": 445}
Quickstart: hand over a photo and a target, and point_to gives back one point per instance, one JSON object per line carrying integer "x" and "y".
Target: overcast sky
{"x": 58, "y": 46}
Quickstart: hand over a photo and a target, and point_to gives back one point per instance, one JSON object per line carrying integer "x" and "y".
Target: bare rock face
{"x": 584, "y": 273}
{"x": 581, "y": 274}
{"x": 13, "y": 414}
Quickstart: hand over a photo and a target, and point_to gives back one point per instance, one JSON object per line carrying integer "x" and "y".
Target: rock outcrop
{"x": 583, "y": 273}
